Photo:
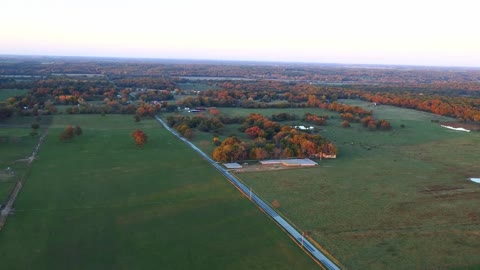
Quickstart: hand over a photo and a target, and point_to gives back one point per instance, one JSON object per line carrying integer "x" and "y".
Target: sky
{"x": 407, "y": 32}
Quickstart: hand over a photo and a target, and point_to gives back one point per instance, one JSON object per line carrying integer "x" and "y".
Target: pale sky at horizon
{"x": 412, "y": 32}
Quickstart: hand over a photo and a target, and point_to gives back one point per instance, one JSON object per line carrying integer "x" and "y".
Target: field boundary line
{"x": 325, "y": 251}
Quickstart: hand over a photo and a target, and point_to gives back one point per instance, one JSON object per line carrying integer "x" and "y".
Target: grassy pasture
{"x": 197, "y": 86}
{"x": 391, "y": 200}
{"x": 16, "y": 144}
{"x": 6, "y": 93}
{"x": 100, "y": 202}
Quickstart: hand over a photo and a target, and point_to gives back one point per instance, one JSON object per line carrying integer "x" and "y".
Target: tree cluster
{"x": 315, "y": 119}
{"x": 69, "y": 132}
{"x": 280, "y": 117}
{"x": 371, "y": 124}
{"x": 270, "y": 140}
{"x": 185, "y": 124}
{"x": 257, "y": 125}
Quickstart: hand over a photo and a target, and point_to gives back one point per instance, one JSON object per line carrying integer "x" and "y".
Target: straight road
{"x": 309, "y": 247}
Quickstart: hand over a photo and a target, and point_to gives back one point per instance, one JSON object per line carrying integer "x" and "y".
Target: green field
{"x": 16, "y": 144}
{"x": 6, "y": 93}
{"x": 197, "y": 86}
{"x": 100, "y": 202}
{"x": 5, "y": 188}
{"x": 398, "y": 199}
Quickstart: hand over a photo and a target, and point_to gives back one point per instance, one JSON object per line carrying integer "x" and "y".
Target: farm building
{"x": 305, "y": 162}
{"x": 304, "y": 127}
{"x": 232, "y": 165}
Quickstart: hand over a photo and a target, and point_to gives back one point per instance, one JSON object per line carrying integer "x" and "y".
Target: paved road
{"x": 324, "y": 260}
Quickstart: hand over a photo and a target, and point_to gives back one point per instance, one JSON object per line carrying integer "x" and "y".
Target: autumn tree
{"x": 328, "y": 149}
{"x": 367, "y": 120}
{"x": 189, "y": 134}
{"x": 67, "y": 134}
{"x": 345, "y": 124}
{"x": 371, "y": 125}
{"x": 185, "y": 131}
{"x": 258, "y": 153}
{"x": 384, "y": 125}
{"x": 347, "y": 116}
{"x": 140, "y": 137}
{"x": 216, "y": 141}
{"x": 214, "y": 111}
{"x": 231, "y": 149}
{"x": 317, "y": 120}
{"x": 253, "y": 132}
{"x": 78, "y": 131}
{"x": 275, "y": 204}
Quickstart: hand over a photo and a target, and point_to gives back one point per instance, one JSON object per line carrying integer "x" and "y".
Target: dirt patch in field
{"x": 444, "y": 192}
{"x": 263, "y": 168}
{"x": 459, "y": 196}
{"x": 438, "y": 188}
{"x": 469, "y": 126}
{"x": 474, "y": 216}
{"x": 473, "y": 233}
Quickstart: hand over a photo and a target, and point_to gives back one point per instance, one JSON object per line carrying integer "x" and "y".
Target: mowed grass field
{"x": 16, "y": 144}
{"x": 6, "y": 93}
{"x": 100, "y": 202}
{"x": 398, "y": 199}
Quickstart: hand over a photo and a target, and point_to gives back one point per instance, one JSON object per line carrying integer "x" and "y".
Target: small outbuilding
{"x": 232, "y": 165}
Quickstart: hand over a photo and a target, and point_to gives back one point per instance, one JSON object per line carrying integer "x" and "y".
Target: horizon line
{"x": 241, "y": 61}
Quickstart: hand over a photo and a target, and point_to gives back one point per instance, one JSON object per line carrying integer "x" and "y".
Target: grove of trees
{"x": 270, "y": 140}
{"x": 69, "y": 132}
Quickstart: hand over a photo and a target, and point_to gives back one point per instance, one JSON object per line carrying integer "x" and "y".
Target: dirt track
{"x": 18, "y": 186}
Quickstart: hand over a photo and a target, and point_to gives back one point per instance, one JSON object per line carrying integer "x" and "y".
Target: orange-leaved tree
{"x": 275, "y": 204}
{"x": 140, "y": 137}
{"x": 67, "y": 134}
